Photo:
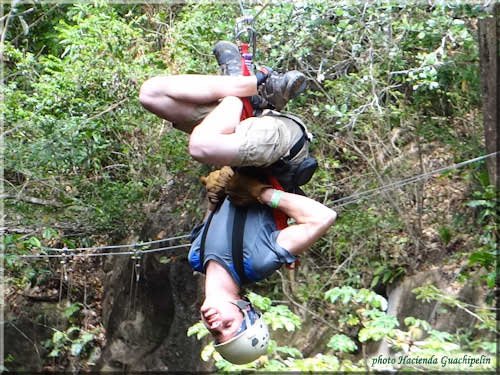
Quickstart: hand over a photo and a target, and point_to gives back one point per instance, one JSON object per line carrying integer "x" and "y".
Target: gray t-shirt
{"x": 261, "y": 254}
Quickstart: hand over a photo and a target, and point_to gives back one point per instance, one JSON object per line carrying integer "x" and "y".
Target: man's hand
{"x": 215, "y": 183}
{"x": 244, "y": 190}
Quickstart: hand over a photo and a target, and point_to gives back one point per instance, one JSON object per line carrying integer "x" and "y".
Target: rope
{"x": 338, "y": 203}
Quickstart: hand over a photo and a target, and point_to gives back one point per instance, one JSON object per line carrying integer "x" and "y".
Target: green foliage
{"x": 377, "y": 325}
{"x": 485, "y": 203}
{"x": 198, "y": 329}
{"x": 363, "y": 308}
{"x": 81, "y": 128}
{"x": 342, "y": 343}
{"x": 74, "y": 341}
{"x": 372, "y": 323}
{"x": 27, "y": 273}
{"x": 214, "y": 21}
{"x": 347, "y": 294}
{"x": 280, "y": 317}
{"x": 72, "y": 311}
{"x": 386, "y": 275}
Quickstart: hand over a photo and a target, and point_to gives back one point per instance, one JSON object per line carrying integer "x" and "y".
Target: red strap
{"x": 280, "y": 217}
{"x": 247, "y": 106}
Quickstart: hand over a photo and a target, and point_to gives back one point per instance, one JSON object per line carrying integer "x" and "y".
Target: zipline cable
{"x": 394, "y": 185}
{"x": 84, "y": 255}
{"x": 96, "y": 248}
{"x": 338, "y": 203}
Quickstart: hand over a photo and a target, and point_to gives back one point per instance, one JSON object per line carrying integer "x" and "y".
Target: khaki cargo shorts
{"x": 265, "y": 138}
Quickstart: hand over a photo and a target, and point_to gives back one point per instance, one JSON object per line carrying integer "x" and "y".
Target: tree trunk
{"x": 489, "y": 35}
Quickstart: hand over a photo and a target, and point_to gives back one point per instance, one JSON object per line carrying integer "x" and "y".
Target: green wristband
{"x": 275, "y": 199}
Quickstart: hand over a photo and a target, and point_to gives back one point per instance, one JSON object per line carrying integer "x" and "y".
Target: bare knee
{"x": 201, "y": 147}
{"x": 197, "y": 148}
{"x": 153, "y": 90}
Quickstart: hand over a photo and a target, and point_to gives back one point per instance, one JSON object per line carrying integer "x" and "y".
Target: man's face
{"x": 222, "y": 318}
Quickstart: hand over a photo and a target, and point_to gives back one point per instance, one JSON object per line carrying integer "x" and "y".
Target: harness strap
{"x": 280, "y": 218}
{"x": 296, "y": 148}
{"x": 302, "y": 140}
{"x": 240, "y": 217}
{"x": 247, "y": 110}
{"x": 204, "y": 239}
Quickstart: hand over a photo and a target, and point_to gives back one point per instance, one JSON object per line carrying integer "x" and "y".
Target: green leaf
{"x": 76, "y": 348}
{"x": 292, "y": 352}
{"x": 342, "y": 343}
{"x": 261, "y": 302}
{"x": 54, "y": 353}
{"x": 198, "y": 329}
{"x": 72, "y": 309}
{"x": 87, "y": 337}
{"x": 480, "y": 203}
{"x": 58, "y": 336}
{"x": 34, "y": 242}
{"x": 375, "y": 281}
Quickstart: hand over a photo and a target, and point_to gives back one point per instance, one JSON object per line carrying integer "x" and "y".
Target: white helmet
{"x": 251, "y": 343}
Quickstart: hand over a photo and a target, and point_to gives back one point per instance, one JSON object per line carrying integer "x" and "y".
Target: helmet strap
{"x": 243, "y": 305}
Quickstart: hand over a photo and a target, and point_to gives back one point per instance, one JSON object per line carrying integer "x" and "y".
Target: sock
{"x": 262, "y": 74}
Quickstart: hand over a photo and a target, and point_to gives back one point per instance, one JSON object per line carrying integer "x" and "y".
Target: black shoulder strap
{"x": 204, "y": 239}
{"x": 240, "y": 217}
{"x": 300, "y": 143}
{"x": 296, "y": 147}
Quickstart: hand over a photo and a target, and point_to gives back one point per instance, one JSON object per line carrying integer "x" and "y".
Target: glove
{"x": 244, "y": 190}
{"x": 215, "y": 184}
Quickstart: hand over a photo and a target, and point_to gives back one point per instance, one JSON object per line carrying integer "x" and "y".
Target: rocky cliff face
{"x": 146, "y": 314}
{"x": 146, "y": 320}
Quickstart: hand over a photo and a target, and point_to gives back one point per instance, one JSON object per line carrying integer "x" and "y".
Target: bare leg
{"x": 312, "y": 220}
{"x": 213, "y": 141}
{"x": 173, "y": 98}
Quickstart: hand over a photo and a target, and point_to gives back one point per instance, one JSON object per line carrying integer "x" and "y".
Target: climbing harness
{"x": 282, "y": 175}
{"x": 244, "y": 25}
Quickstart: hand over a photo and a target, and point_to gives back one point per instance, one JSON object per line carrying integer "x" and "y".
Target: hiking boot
{"x": 278, "y": 88}
{"x": 229, "y": 58}
{"x": 258, "y": 102}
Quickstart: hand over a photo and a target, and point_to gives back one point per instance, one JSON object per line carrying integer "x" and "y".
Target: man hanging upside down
{"x": 240, "y": 241}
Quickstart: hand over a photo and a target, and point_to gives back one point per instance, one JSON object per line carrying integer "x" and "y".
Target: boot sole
{"x": 232, "y": 58}
{"x": 295, "y": 87}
